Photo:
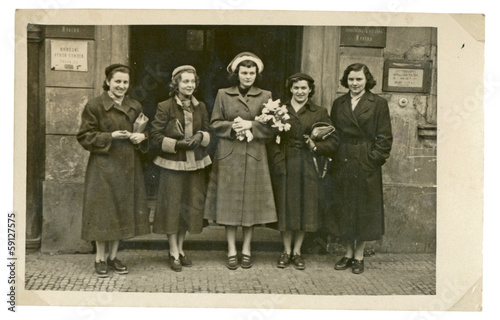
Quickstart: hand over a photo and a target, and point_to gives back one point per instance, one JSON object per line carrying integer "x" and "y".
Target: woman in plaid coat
{"x": 240, "y": 191}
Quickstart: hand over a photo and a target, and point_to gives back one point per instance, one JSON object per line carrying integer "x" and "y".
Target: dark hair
{"x": 174, "y": 84}
{"x": 234, "y": 78}
{"x": 370, "y": 81}
{"x": 110, "y": 72}
{"x": 292, "y": 80}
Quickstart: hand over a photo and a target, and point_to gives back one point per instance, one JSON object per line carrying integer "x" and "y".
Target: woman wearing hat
{"x": 240, "y": 191}
{"x": 180, "y": 129}
{"x": 114, "y": 206}
{"x": 363, "y": 122}
{"x": 294, "y": 167}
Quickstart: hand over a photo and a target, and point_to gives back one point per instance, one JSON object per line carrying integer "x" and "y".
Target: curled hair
{"x": 234, "y": 78}
{"x": 370, "y": 81}
{"x": 174, "y": 84}
{"x": 110, "y": 75}
{"x": 292, "y": 80}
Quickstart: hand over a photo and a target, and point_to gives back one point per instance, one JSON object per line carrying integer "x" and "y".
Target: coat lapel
{"x": 347, "y": 109}
{"x": 366, "y": 102}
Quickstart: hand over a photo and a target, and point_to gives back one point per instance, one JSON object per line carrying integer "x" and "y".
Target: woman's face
{"x": 356, "y": 81}
{"x": 187, "y": 84}
{"x": 118, "y": 84}
{"x": 247, "y": 76}
{"x": 300, "y": 91}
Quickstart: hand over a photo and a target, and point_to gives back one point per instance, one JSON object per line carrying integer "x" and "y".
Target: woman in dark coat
{"x": 240, "y": 191}
{"x": 364, "y": 125}
{"x": 180, "y": 129}
{"x": 293, "y": 170}
{"x": 114, "y": 204}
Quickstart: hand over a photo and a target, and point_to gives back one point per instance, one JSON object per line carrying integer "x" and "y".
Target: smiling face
{"x": 118, "y": 84}
{"x": 187, "y": 84}
{"x": 300, "y": 91}
{"x": 246, "y": 76}
{"x": 356, "y": 80}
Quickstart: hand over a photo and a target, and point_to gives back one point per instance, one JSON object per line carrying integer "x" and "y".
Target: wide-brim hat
{"x": 179, "y": 69}
{"x": 240, "y": 57}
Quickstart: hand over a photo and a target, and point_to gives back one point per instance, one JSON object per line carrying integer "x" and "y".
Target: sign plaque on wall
{"x": 359, "y": 36}
{"x": 407, "y": 76}
{"x": 69, "y": 55}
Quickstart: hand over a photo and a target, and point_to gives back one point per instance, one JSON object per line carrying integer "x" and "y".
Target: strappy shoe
{"x": 232, "y": 262}
{"x": 246, "y": 261}
{"x": 175, "y": 264}
{"x": 185, "y": 261}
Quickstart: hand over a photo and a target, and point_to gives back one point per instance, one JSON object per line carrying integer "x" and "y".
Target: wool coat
{"x": 114, "y": 205}
{"x": 239, "y": 191}
{"x": 181, "y": 189}
{"x": 293, "y": 172}
{"x": 365, "y": 144}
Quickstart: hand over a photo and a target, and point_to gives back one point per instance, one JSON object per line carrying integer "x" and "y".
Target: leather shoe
{"x": 284, "y": 260}
{"x": 298, "y": 262}
{"x": 175, "y": 264}
{"x": 117, "y": 266}
{"x": 185, "y": 261}
{"x": 101, "y": 269}
{"x": 358, "y": 266}
{"x": 232, "y": 262}
{"x": 343, "y": 263}
{"x": 246, "y": 261}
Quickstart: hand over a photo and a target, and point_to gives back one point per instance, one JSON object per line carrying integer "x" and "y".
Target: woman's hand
{"x": 195, "y": 141}
{"x": 137, "y": 138}
{"x": 240, "y": 124}
{"x": 121, "y": 134}
{"x": 310, "y": 143}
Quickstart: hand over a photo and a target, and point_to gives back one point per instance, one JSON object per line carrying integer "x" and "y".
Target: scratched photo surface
{"x": 65, "y": 67}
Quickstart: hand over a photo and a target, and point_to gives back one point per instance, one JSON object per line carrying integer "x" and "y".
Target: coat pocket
{"x": 224, "y": 149}
{"x": 256, "y": 150}
{"x": 366, "y": 162}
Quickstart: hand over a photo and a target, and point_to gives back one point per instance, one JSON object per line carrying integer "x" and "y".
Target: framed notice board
{"x": 407, "y": 76}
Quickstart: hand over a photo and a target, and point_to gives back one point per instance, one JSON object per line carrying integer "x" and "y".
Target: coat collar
{"x": 309, "y": 105}
{"x": 194, "y": 101}
{"x": 108, "y": 103}
{"x": 365, "y": 103}
{"x": 254, "y": 91}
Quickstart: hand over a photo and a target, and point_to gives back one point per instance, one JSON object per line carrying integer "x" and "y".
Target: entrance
{"x": 156, "y": 50}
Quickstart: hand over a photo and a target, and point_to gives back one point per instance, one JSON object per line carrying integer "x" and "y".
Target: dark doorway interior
{"x": 156, "y": 50}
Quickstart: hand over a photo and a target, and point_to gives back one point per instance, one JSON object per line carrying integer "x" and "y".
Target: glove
{"x": 182, "y": 144}
{"x": 195, "y": 141}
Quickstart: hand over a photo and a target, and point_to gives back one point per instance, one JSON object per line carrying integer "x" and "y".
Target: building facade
{"x": 66, "y": 68}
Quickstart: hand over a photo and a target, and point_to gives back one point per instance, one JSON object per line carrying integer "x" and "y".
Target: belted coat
{"x": 365, "y": 144}
{"x": 115, "y": 204}
{"x": 293, "y": 171}
{"x": 240, "y": 192}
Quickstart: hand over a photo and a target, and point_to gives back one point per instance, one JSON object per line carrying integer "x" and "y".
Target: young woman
{"x": 240, "y": 191}
{"x": 363, "y": 122}
{"x": 114, "y": 206}
{"x": 180, "y": 129}
{"x": 294, "y": 175}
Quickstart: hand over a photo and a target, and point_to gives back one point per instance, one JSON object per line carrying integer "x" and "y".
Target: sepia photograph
{"x": 257, "y": 159}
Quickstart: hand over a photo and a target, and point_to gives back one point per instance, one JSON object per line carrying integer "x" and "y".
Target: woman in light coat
{"x": 239, "y": 191}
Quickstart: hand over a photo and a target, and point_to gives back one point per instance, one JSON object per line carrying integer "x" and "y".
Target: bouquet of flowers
{"x": 275, "y": 114}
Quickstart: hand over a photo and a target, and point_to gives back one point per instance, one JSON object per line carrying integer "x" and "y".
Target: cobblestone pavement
{"x": 385, "y": 274}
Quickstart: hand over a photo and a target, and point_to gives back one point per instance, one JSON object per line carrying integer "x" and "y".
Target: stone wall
{"x": 64, "y": 96}
{"x": 410, "y": 173}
